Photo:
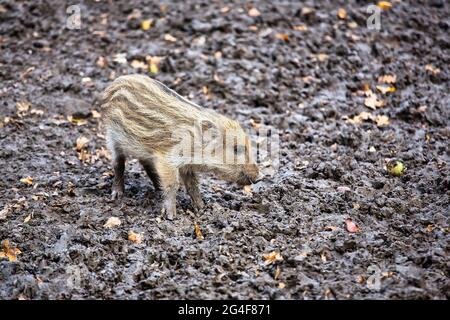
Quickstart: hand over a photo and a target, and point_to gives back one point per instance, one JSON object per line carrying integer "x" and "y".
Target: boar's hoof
{"x": 169, "y": 210}
{"x": 116, "y": 194}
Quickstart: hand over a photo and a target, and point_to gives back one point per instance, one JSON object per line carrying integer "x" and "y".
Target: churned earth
{"x": 306, "y": 70}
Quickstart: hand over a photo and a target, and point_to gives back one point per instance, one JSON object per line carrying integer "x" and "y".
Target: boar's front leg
{"x": 119, "y": 168}
{"x": 190, "y": 181}
{"x": 169, "y": 184}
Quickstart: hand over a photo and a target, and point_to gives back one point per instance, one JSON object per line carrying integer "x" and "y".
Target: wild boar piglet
{"x": 174, "y": 140}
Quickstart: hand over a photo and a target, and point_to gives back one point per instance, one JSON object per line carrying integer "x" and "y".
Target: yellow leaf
{"x": 382, "y": 121}
{"x": 27, "y": 219}
{"x": 135, "y": 237}
{"x": 253, "y": 12}
{"x": 153, "y": 68}
{"x": 385, "y": 89}
{"x": 77, "y": 121}
{"x": 81, "y": 142}
{"x": 272, "y": 257}
{"x": 198, "y": 232}
{"x": 342, "y": 14}
{"x": 8, "y": 252}
{"x": 146, "y": 24}
{"x": 28, "y": 180}
{"x": 385, "y": 5}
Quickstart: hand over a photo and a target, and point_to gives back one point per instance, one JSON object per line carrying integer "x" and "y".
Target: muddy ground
{"x": 296, "y": 68}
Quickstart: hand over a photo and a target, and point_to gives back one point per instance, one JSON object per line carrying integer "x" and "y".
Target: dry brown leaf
{"x": 28, "y": 180}
{"x": 112, "y": 222}
{"x": 363, "y": 116}
{"x": 198, "y": 232}
{"x": 248, "y": 189}
{"x": 137, "y": 64}
{"x": 277, "y": 273}
{"x": 342, "y": 14}
{"x": 282, "y": 36}
{"x": 170, "y": 38}
{"x": 27, "y": 218}
{"x": 81, "y": 142}
{"x": 253, "y": 12}
{"x": 8, "y": 252}
{"x": 382, "y": 120}
{"x": 373, "y": 102}
{"x": 23, "y": 106}
{"x": 385, "y": 89}
{"x": 430, "y": 228}
{"x": 272, "y": 257}
{"x": 102, "y": 62}
{"x": 322, "y": 57}
{"x": 135, "y": 237}
{"x": 385, "y": 5}
{"x": 432, "y": 69}
{"x": 387, "y": 78}
{"x": 351, "y": 226}
{"x": 300, "y": 28}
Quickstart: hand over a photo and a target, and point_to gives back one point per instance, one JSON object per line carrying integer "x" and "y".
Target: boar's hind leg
{"x": 190, "y": 181}
{"x": 119, "y": 168}
{"x": 149, "y": 167}
{"x": 168, "y": 178}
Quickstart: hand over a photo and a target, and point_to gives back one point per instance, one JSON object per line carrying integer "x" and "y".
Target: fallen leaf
{"x": 342, "y": 14}
{"x": 372, "y": 149}
{"x": 300, "y": 28}
{"x": 96, "y": 114}
{"x": 135, "y": 237}
{"x": 153, "y": 68}
{"x": 198, "y": 232}
{"x": 323, "y": 256}
{"x": 432, "y": 69}
{"x": 430, "y": 228}
{"x": 395, "y": 167}
{"x": 137, "y": 64}
{"x": 385, "y": 89}
{"x": 351, "y": 226}
{"x": 382, "y": 120}
{"x": 77, "y": 121}
{"x": 113, "y": 222}
{"x": 120, "y": 58}
{"x": 277, "y": 273}
{"x": 5, "y": 211}
{"x": 373, "y": 102}
{"x": 146, "y": 24}
{"x": 306, "y": 10}
{"x": 385, "y": 5}
{"x": 281, "y": 285}
{"x": 81, "y": 142}
{"x": 8, "y": 252}
{"x": 322, "y": 57}
{"x": 360, "y": 279}
{"x": 170, "y": 38}
{"x": 247, "y": 189}
{"x": 23, "y": 106}
{"x": 27, "y": 218}
{"x": 272, "y": 257}
{"x": 253, "y": 12}
{"x": 388, "y": 78}
{"x": 282, "y": 36}
{"x": 352, "y": 25}
{"x": 28, "y": 180}
{"x": 102, "y": 62}
{"x": 363, "y": 116}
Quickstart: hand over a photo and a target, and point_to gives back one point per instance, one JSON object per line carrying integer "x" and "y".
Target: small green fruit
{"x": 395, "y": 168}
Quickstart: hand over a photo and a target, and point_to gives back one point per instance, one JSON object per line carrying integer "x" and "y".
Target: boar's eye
{"x": 239, "y": 149}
